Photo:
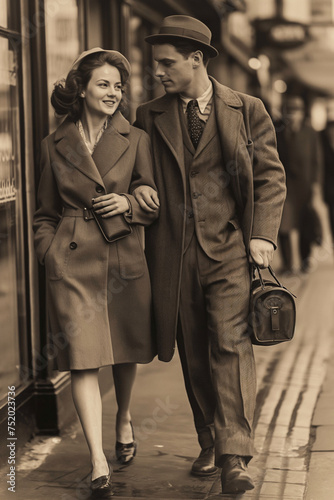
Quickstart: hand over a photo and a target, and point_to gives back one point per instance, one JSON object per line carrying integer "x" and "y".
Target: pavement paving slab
{"x": 320, "y": 485}
{"x": 323, "y": 415}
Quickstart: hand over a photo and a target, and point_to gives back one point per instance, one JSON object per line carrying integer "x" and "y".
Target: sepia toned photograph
{"x": 167, "y": 249}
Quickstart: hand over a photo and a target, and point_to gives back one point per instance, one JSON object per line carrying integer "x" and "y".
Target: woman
{"x": 99, "y": 294}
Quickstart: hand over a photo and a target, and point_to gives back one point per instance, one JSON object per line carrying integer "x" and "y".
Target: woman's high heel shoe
{"x": 126, "y": 452}
{"x": 101, "y": 483}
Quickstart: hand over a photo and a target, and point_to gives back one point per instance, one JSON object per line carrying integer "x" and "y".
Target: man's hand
{"x": 147, "y": 198}
{"x": 261, "y": 252}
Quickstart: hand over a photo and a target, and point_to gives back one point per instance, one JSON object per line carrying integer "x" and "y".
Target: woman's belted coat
{"x": 98, "y": 293}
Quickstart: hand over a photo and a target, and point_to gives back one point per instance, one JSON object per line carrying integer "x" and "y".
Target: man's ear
{"x": 197, "y": 58}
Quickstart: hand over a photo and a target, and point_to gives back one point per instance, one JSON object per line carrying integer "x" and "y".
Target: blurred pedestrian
{"x": 222, "y": 190}
{"x": 299, "y": 148}
{"x": 99, "y": 294}
{"x": 327, "y": 137}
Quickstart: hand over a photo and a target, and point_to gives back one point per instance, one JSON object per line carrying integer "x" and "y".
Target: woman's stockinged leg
{"x": 87, "y": 401}
{"x": 124, "y": 377}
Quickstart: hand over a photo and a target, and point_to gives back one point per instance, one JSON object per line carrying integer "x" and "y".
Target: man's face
{"x": 175, "y": 72}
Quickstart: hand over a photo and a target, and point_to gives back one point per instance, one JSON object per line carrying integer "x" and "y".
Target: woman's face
{"x": 103, "y": 92}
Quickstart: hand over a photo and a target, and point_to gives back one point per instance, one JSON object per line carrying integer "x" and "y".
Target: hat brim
{"x": 116, "y": 56}
{"x": 163, "y": 38}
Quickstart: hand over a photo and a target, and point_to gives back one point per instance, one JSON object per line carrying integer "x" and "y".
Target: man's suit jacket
{"x": 255, "y": 173}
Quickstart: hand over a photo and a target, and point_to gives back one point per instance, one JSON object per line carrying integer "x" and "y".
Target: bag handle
{"x": 270, "y": 269}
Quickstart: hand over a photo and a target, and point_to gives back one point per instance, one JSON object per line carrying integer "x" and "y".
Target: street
{"x": 290, "y": 378}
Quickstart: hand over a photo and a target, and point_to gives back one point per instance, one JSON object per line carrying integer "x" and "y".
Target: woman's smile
{"x": 104, "y": 91}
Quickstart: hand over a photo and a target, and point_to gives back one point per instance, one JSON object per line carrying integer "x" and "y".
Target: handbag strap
{"x": 262, "y": 282}
{"x": 270, "y": 269}
{"x": 255, "y": 266}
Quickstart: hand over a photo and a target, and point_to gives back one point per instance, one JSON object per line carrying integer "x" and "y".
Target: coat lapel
{"x": 71, "y": 146}
{"x": 109, "y": 149}
{"x": 112, "y": 144}
{"x": 168, "y": 124}
{"x": 229, "y": 122}
{"x": 229, "y": 119}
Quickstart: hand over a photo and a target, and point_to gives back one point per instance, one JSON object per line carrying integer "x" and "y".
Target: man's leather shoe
{"x": 235, "y": 477}
{"x": 204, "y": 465}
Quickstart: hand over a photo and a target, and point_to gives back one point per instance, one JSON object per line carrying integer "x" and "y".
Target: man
{"x": 327, "y": 138}
{"x": 299, "y": 148}
{"x": 221, "y": 189}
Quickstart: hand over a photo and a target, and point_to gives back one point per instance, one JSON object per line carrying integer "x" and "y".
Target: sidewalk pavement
{"x": 320, "y": 484}
{"x": 290, "y": 438}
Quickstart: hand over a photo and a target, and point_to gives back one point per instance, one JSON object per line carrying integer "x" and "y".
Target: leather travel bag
{"x": 272, "y": 311}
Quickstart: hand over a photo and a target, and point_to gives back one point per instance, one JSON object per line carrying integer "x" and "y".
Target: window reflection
{"x": 62, "y": 43}
{"x": 3, "y": 14}
{"x": 10, "y": 214}
{"x": 143, "y": 86}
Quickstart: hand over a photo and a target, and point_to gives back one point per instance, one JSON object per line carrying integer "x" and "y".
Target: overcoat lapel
{"x": 229, "y": 123}
{"x": 168, "y": 124}
{"x": 70, "y": 145}
{"x": 112, "y": 145}
{"x": 108, "y": 151}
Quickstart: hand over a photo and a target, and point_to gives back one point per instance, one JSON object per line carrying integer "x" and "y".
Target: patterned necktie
{"x": 195, "y": 125}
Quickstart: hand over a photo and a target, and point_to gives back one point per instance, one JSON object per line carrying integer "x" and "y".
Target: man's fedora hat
{"x": 118, "y": 58}
{"x": 185, "y": 28}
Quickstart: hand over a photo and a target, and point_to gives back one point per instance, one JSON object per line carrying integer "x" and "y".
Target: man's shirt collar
{"x": 203, "y": 100}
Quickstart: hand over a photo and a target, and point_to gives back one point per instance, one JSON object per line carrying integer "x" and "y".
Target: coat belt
{"x": 86, "y": 213}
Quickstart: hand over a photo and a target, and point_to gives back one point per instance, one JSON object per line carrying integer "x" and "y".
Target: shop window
{"x": 3, "y": 14}
{"x": 12, "y": 282}
{"x": 144, "y": 86}
{"x": 62, "y": 43}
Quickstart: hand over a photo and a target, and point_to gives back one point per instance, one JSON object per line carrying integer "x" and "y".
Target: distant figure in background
{"x": 299, "y": 148}
{"x": 327, "y": 137}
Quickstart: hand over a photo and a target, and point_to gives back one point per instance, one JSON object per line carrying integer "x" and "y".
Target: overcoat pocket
{"x": 131, "y": 256}
{"x": 56, "y": 258}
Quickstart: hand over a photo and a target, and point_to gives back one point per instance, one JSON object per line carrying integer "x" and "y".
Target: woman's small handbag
{"x": 112, "y": 228}
{"x": 272, "y": 311}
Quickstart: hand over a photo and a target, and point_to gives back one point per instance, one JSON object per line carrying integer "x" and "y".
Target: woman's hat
{"x": 185, "y": 28}
{"x": 117, "y": 57}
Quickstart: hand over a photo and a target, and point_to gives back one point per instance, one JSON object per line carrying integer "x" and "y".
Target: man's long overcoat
{"x": 252, "y": 167}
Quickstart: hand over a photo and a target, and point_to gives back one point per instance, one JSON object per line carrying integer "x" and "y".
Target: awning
{"x": 313, "y": 65}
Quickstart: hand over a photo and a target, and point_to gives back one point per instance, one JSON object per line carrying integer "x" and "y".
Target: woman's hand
{"x": 111, "y": 204}
{"x": 261, "y": 252}
{"x": 147, "y": 198}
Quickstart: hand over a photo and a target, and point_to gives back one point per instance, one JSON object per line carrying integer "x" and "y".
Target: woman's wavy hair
{"x": 65, "y": 97}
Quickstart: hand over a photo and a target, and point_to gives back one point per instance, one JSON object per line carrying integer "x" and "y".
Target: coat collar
{"x": 109, "y": 149}
{"x": 227, "y": 104}
{"x": 227, "y": 95}
{"x": 167, "y": 121}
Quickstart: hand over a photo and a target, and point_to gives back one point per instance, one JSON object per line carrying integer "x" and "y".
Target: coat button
{"x": 73, "y": 245}
{"x": 196, "y": 195}
{"x": 99, "y": 189}
{"x": 191, "y": 215}
{"x": 193, "y": 173}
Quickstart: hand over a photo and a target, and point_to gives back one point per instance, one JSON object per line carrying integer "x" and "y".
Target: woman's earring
{"x": 82, "y": 94}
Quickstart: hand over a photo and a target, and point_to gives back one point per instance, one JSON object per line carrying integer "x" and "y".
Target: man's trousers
{"x": 214, "y": 345}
